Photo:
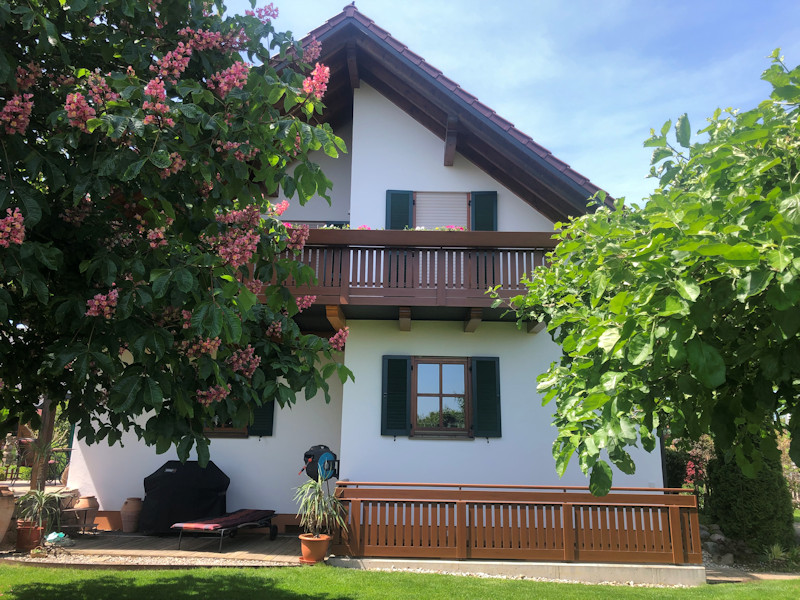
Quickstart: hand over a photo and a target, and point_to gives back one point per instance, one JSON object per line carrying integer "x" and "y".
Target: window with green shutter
{"x": 263, "y": 420}
{"x": 399, "y": 209}
{"x": 441, "y": 396}
{"x": 396, "y": 403}
{"x": 483, "y": 211}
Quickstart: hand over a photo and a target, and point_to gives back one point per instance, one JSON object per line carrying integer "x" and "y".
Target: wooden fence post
{"x": 461, "y": 529}
{"x": 356, "y": 543}
{"x": 568, "y": 532}
{"x": 675, "y": 534}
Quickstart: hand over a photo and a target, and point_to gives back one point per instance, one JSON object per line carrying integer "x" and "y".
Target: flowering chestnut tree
{"x": 141, "y": 262}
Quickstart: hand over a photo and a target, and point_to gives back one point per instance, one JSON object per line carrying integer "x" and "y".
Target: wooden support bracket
{"x": 473, "y": 320}
{"x": 450, "y": 141}
{"x": 335, "y": 316}
{"x": 535, "y": 326}
{"x": 352, "y": 66}
{"x": 404, "y": 318}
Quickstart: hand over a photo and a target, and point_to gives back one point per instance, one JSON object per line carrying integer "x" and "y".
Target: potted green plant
{"x": 38, "y": 512}
{"x": 321, "y": 513}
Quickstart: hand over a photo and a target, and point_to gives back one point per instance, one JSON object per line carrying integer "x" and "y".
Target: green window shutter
{"x": 396, "y": 402}
{"x": 399, "y": 209}
{"x": 486, "y": 396}
{"x": 263, "y": 418}
{"x": 484, "y": 211}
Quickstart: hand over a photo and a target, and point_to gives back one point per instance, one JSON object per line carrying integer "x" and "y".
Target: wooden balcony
{"x": 505, "y": 522}
{"x": 419, "y": 268}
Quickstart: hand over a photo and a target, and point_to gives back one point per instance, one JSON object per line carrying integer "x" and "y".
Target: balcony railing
{"x": 420, "y": 268}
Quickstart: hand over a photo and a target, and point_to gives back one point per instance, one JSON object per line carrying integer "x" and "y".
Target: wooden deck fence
{"x": 419, "y": 268}
{"x": 534, "y": 523}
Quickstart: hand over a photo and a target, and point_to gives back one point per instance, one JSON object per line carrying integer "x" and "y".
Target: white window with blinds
{"x": 439, "y": 209}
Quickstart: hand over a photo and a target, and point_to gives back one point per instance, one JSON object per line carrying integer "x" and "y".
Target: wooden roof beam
{"x": 404, "y": 318}
{"x": 335, "y": 316}
{"x": 352, "y": 65}
{"x": 474, "y": 319}
{"x": 450, "y": 141}
{"x": 535, "y": 326}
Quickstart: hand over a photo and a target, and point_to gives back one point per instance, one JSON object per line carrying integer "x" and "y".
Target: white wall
{"x": 521, "y": 456}
{"x": 263, "y": 471}
{"x": 391, "y": 151}
{"x": 338, "y": 171}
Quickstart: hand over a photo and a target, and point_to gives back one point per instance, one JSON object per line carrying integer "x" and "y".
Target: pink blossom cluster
{"x": 234, "y": 76}
{"x": 298, "y": 235}
{"x": 249, "y": 216}
{"x": 201, "y": 346}
{"x": 2, "y": 384}
{"x": 78, "y": 110}
{"x": 254, "y": 285}
{"x": 202, "y": 39}
{"x": 312, "y": 51}
{"x": 26, "y": 78}
{"x": 76, "y": 215}
{"x": 280, "y": 208}
{"x": 16, "y": 114}
{"x": 274, "y": 329}
{"x": 103, "y": 305}
{"x": 244, "y": 361}
{"x": 235, "y": 246}
{"x": 237, "y": 153}
{"x": 339, "y": 338}
{"x": 156, "y": 238}
{"x": 12, "y": 228}
{"x": 99, "y": 90}
{"x": 363, "y": 227}
{"x": 215, "y": 393}
{"x": 264, "y": 14}
{"x": 186, "y": 315}
{"x": 60, "y": 80}
{"x": 178, "y": 163}
{"x": 317, "y": 82}
{"x": 304, "y": 302}
{"x": 156, "y": 90}
{"x": 173, "y": 63}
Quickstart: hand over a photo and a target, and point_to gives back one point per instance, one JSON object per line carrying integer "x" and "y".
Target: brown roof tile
{"x": 498, "y": 120}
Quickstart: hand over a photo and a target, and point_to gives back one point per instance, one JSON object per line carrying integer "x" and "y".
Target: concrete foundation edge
{"x": 690, "y": 575}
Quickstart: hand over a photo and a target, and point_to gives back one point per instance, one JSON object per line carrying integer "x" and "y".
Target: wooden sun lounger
{"x": 229, "y": 524}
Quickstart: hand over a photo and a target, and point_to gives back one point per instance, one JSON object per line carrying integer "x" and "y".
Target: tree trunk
{"x": 43, "y": 442}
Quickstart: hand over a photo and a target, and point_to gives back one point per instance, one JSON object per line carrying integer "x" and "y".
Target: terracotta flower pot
{"x": 314, "y": 549}
{"x": 130, "y": 514}
{"x": 28, "y": 536}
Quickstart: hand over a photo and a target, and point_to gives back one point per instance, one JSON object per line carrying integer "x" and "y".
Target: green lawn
{"x": 797, "y": 515}
{"x": 327, "y": 583}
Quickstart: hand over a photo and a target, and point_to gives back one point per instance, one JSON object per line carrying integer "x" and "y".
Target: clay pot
{"x": 28, "y": 536}
{"x": 90, "y": 503}
{"x": 314, "y": 549}
{"x": 6, "y": 510}
{"x": 130, "y": 514}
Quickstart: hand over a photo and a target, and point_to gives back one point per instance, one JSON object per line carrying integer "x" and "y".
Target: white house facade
{"x": 445, "y": 385}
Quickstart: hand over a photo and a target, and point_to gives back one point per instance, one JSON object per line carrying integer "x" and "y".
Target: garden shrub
{"x": 758, "y": 510}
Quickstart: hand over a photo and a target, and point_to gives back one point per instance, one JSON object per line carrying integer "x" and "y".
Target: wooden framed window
{"x": 440, "y": 397}
{"x": 263, "y": 421}
{"x": 476, "y": 211}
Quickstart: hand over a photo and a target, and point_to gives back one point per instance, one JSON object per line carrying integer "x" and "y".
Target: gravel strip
{"x": 65, "y": 557}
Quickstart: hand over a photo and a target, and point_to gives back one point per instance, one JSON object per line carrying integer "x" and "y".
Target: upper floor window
{"x": 476, "y": 211}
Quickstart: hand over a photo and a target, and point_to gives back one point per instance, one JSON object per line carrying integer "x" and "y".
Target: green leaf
{"x": 683, "y": 131}
{"x": 133, "y": 170}
{"x": 160, "y": 284}
{"x": 609, "y": 338}
{"x": 688, "y": 289}
{"x": 705, "y": 363}
{"x": 752, "y": 284}
{"x": 183, "y": 279}
{"x": 123, "y": 394}
{"x": 639, "y": 349}
{"x": 161, "y": 159}
{"x": 741, "y": 252}
{"x": 789, "y": 207}
{"x": 151, "y": 393}
{"x": 600, "y": 479}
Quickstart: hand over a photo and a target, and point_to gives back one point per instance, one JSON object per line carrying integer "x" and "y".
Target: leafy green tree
{"x": 141, "y": 263}
{"x": 682, "y": 315}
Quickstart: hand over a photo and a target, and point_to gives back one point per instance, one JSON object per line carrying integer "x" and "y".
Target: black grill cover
{"x": 179, "y": 492}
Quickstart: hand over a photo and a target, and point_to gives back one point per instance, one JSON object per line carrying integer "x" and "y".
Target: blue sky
{"x": 587, "y": 79}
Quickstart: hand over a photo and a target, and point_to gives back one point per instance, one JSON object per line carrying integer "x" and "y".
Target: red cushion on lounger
{"x": 229, "y": 521}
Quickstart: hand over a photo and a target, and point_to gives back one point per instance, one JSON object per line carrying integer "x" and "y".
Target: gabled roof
{"x": 355, "y": 49}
